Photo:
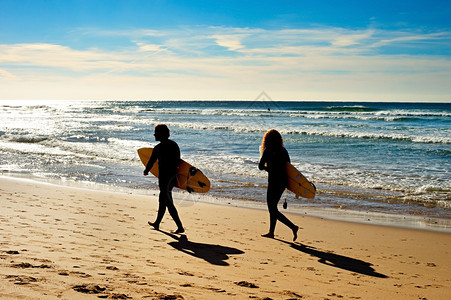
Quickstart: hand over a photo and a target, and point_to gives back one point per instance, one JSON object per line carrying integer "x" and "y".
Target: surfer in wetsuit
{"x": 274, "y": 159}
{"x": 167, "y": 152}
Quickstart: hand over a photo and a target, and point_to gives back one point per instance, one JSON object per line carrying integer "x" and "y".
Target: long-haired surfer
{"x": 274, "y": 158}
{"x": 167, "y": 152}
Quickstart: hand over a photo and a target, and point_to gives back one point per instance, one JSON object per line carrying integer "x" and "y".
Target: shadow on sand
{"x": 337, "y": 261}
{"x": 214, "y": 254}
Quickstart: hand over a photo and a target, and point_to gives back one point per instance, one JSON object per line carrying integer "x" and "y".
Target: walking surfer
{"x": 167, "y": 152}
{"x": 273, "y": 160}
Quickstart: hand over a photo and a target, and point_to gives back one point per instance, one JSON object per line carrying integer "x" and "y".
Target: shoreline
{"x": 346, "y": 215}
{"x": 61, "y": 242}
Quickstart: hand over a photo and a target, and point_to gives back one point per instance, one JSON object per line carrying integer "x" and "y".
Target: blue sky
{"x": 225, "y": 50}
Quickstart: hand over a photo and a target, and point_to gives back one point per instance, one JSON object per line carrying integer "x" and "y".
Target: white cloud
{"x": 319, "y": 63}
{"x": 346, "y": 40}
{"x": 414, "y": 37}
{"x": 57, "y": 56}
{"x": 231, "y": 42}
{"x": 7, "y": 75}
{"x": 149, "y": 47}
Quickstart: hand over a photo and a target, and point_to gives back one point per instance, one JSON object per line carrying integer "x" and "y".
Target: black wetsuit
{"x": 167, "y": 152}
{"x": 274, "y": 162}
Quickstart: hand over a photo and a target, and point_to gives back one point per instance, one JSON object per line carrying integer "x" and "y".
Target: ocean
{"x": 371, "y": 162}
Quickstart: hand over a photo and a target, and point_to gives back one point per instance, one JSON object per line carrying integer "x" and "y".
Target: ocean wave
{"x": 429, "y": 201}
{"x": 374, "y": 136}
{"x": 367, "y": 115}
{"x": 105, "y": 150}
{"x": 25, "y": 139}
{"x": 432, "y": 138}
{"x": 350, "y": 108}
{"x": 428, "y": 188}
{"x": 30, "y": 148}
{"x": 361, "y": 117}
{"x": 80, "y": 147}
{"x": 340, "y": 114}
{"x": 413, "y": 113}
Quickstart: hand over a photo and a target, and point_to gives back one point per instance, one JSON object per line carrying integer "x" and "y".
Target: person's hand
{"x": 146, "y": 172}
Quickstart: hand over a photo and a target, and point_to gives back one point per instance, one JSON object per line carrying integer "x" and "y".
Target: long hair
{"x": 272, "y": 140}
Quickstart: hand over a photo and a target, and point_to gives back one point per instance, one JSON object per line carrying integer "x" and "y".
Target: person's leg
{"x": 273, "y": 197}
{"x": 281, "y": 217}
{"x": 272, "y": 207}
{"x": 174, "y": 214}
{"x": 171, "y": 207}
{"x": 161, "y": 208}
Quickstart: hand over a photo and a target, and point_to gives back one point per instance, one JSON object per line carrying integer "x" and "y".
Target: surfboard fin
{"x": 192, "y": 171}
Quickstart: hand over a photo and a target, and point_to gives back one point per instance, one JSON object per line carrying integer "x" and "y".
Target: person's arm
{"x": 152, "y": 160}
{"x": 262, "y": 163}
{"x": 288, "y": 156}
{"x": 178, "y": 156}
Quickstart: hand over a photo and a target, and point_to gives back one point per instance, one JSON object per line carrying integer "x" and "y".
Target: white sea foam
{"x": 374, "y": 156}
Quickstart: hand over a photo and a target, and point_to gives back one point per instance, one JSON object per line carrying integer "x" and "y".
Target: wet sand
{"x": 60, "y": 242}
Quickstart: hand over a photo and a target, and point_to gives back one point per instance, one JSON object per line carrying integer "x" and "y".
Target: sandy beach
{"x": 61, "y": 242}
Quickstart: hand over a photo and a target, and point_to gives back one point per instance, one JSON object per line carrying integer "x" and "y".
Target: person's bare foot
{"x": 268, "y": 235}
{"x": 154, "y": 225}
{"x": 180, "y": 230}
{"x": 295, "y": 233}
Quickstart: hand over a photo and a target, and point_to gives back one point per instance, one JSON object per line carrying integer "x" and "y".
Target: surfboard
{"x": 298, "y": 184}
{"x": 189, "y": 178}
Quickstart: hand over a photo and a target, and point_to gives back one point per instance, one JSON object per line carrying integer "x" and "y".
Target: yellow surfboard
{"x": 298, "y": 184}
{"x": 189, "y": 178}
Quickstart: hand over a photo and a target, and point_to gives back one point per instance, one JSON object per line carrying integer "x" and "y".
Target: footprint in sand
{"x": 89, "y": 289}
{"x": 26, "y": 265}
{"x": 247, "y": 284}
{"x": 21, "y": 279}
